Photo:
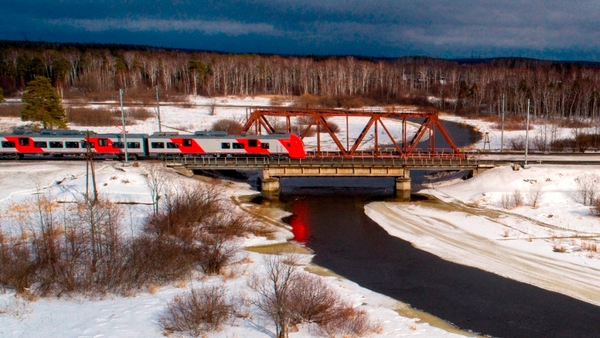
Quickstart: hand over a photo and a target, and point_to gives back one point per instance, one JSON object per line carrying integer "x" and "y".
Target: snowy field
{"x": 470, "y": 227}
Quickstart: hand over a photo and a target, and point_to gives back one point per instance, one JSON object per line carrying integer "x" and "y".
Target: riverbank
{"x": 553, "y": 245}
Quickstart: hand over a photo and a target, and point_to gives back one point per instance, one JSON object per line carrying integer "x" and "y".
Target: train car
{"x": 158, "y": 145}
{"x": 204, "y": 143}
{"x": 114, "y": 144}
{"x": 46, "y": 142}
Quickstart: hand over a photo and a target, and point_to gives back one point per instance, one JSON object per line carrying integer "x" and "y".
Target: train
{"x": 159, "y": 145}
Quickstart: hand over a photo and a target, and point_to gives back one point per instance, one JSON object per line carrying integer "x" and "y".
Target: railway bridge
{"x": 333, "y": 166}
{"x": 388, "y": 143}
{"x": 374, "y": 143}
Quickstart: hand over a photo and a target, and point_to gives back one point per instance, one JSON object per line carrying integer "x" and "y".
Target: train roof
{"x": 197, "y": 134}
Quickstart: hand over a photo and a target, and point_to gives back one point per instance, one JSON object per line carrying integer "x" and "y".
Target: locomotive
{"x": 159, "y": 145}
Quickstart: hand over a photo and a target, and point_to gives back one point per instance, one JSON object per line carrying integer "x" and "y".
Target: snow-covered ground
{"x": 469, "y": 226}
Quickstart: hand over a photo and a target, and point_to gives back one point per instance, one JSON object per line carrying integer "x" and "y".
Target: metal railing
{"x": 326, "y": 161}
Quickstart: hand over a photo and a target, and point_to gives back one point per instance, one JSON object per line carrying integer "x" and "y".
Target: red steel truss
{"x": 263, "y": 119}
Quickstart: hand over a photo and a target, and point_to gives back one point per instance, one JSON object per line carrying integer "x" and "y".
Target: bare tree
{"x": 156, "y": 180}
{"x": 534, "y": 194}
{"x": 517, "y": 198}
{"x": 587, "y": 188}
{"x": 274, "y": 289}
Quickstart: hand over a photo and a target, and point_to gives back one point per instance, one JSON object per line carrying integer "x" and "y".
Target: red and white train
{"x": 158, "y": 145}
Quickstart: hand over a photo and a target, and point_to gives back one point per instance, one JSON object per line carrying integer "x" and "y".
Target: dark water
{"x": 328, "y": 216}
{"x": 331, "y": 221}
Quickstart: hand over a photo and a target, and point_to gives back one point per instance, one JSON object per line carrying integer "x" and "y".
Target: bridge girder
{"x": 257, "y": 121}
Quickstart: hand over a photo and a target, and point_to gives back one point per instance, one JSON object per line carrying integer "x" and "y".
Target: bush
{"x": 510, "y": 201}
{"x": 517, "y": 143}
{"x": 587, "y": 188}
{"x": 11, "y": 110}
{"x": 97, "y": 117}
{"x": 195, "y": 218}
{"x": 16, "y": 264}
{"x": 196, "y": 312}
{"x": 82, "y": 248}
{"x": 139, "y": 114}
{"x": 232, "y": 127}
{"x": 290, "y": 296}
{"x": 596, "y": 207}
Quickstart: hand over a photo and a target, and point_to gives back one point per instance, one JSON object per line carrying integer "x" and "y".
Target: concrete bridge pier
{"x": 403, "y": 188}
{"x": 270, "y": 185}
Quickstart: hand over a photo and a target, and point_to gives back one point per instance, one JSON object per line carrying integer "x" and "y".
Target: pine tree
{"x": 1, "y": 95}
{"x": 43, "y": 104}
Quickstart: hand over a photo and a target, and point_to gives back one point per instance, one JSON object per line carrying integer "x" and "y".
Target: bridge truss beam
{"x": 262, "y": 119}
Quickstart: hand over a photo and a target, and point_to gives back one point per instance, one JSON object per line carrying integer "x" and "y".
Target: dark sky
{"x": 545, "y": 29}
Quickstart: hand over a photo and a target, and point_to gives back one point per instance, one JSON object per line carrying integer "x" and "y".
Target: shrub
{"x": 230, "y": 126}
{"x": 11, "y": 110}
{"x": 194, "y": 217}
{"x": 517, "y": 198}
{"x": 517, "y": 143}
{"x": 596, "y": 207}
{"x": 97, "y": 117}
{"x": 534, "y": 194}
{"x": 587, "y": 188}
{"x": 290, "y": 296}
{"x": 183, "y": 210}
{"x": 16, "y": 264}
{"x": 307, "y": 101}
{"x": 140, "y": 114}
{"x": 196, "y": 312}
{"x": 513, "y": 200}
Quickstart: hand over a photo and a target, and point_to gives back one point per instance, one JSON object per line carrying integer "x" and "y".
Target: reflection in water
{"x": 298, "y": 221}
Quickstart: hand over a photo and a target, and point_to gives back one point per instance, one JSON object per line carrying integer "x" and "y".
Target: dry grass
{"x": 98, "y": 117}
{"x": 139, "y": 114}
{"x": 11, "y": 110}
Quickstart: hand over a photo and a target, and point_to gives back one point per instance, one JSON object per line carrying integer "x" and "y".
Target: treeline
{"x": 554, "y": 89}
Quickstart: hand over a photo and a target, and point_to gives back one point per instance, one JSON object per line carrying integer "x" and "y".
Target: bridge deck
{"x": 331, "y": 166}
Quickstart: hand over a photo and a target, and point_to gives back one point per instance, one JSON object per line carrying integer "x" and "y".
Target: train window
{"x": 56, "y": 144}
{"x": 71, "y": 144}
{"x": 23, "y": 141}
{"x": 118, "y": 145}
{"x": 133, "y": 145}
{"x": 264, "y": 145}
{"x": 252, "y": 143}
{"x": 187, "y": 142}
{"x": 225, "y": 145}
{"x": 103, "y": 142}
{"x": 40, "y": 144}
{"x": 85, "y": 144}
{"x": 172, "y": 145}
{"x": 157, "y": 145}
{"x": 238, "y": 145}
{"x": 8, "y": 144}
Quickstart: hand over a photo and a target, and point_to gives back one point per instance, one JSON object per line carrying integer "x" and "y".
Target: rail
{"x": 327, "y": 161}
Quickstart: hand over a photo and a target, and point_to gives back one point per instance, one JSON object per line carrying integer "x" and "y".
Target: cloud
{"x": 229, "y": 28}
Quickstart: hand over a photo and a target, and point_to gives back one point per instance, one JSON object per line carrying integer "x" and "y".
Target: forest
{"x": 95, "y": 72}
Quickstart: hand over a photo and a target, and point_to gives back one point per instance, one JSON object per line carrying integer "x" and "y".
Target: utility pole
{"x": 89, "y": 158}
{"x": 526, "y": 135}
{"x": 123, "y": 130}
{"x": 502, "y": 133}
{"x": 158, "y": 108}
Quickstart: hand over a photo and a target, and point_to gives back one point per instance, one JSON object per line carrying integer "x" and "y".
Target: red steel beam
{"x": 258, "y": 117}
